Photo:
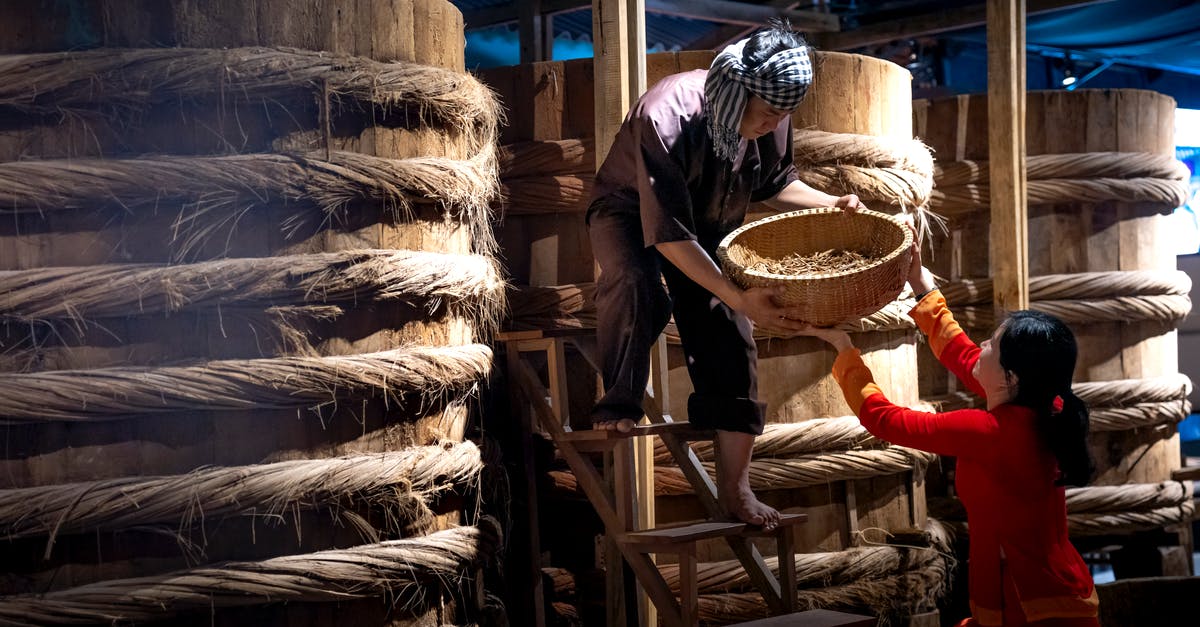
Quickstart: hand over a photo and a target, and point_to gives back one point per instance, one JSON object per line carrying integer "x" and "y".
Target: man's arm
{"x": 756, "y": 303}
{"x": 799, "y": 195}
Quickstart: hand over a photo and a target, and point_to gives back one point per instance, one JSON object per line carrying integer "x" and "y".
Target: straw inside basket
{"x": 827, "y": 295}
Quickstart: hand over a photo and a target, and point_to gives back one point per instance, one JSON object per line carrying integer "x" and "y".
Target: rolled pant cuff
{"x": 741, "y": 415}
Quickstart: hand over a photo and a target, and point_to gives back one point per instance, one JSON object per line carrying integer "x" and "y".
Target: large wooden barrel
{"x": 1102, "y": 179}
{"x": 854, "y": 99}
{"x": 234, "y": 210}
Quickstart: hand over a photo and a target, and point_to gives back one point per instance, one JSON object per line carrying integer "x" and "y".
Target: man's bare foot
{"x": 741, "y": 504}
{"x": 624, "y": 425}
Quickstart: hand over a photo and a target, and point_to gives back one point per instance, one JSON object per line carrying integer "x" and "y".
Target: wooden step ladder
{"x": 612, "y": 505}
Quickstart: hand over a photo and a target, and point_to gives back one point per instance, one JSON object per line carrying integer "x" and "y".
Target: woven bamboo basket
{"x": 825, "y": 298}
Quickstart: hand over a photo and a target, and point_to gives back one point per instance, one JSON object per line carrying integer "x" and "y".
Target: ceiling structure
{"x": 1133, "y": 43}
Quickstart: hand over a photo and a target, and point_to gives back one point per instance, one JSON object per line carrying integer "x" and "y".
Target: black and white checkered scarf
{"x": 781, "y": 81}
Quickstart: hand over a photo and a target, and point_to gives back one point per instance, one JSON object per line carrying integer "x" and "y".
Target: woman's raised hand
{"x": 920, "y": 279}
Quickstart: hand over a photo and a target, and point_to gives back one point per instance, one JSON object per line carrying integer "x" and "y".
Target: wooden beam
{"x": 1009, "y": 238}
{"x": 726, "y": 34}
{"x": 932, "y": 24}
{"x": 722, "y": 11}
{"x": 503, "y": 14}
{"x": 752, "y": 15}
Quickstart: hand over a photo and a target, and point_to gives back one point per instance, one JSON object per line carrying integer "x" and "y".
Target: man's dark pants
{"x": 633, "y": 308}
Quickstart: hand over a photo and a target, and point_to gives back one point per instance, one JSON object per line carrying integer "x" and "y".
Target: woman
{"x": 1014, "y": 458}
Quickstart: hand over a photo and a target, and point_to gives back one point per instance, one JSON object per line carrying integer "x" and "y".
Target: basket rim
{"x": 723, "y": 247}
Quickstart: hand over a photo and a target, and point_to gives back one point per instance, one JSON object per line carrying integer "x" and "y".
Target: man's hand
{"x": 849, "y": 203}
{"x": 758, "y": 304}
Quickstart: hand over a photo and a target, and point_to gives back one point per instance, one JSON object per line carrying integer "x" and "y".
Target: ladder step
{"x": 694, "y": 532}
{"x": 602, "y": 439}
{"x": 812, "y": 618}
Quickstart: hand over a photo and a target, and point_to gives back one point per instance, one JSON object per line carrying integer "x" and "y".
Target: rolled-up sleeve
{"x": 666, "y": 202}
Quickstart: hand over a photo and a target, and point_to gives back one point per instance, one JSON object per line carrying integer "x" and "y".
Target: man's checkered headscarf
{"x": 781, "y": 81}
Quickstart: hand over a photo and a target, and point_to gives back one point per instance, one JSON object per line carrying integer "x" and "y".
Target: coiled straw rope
{"x": 1084, "y": 298}
{"x": 408, "y": 568}
{"x": 212, "y": 191}
{"x": 907, "y": 593}
{"x": 780, "y": 439}
{"x": 108, "y": 393}
{"x": 892, "y": 186}
{"x": 868, "y": 151}
{"x": 557, "y": 176}
{"x": 1101, "y": 419}
{"x": 1122, "y": 165}
{"x": 573, "y": 305}
{"x": 795, "y": 472}
{"x": 891, "y": 317}
{"x": 1127, "y": 522}
{"x": 1116, "y": 521}
{"x": 259, "y": 490}
{"x": 471, "y": 282}
{"x": 1137, "y": 496}
{"x": 895, "y": 172}
{"x": 818, "y": 570}
{"x": 1170, "y": 387}
{"x": 1166, "y": 309}
{"x": 1078, "y": 285}
{"x": 1070, "y": 178}
{"x": 54, "y": 83}
{"x": 1113, "y": 405}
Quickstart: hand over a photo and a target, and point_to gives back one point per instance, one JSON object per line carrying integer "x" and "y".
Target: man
{"x": 692, "y": 154}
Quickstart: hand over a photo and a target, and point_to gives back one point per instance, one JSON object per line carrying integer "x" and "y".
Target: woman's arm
{"x": 958, "y": 433}
{"x": 949, "y": 344}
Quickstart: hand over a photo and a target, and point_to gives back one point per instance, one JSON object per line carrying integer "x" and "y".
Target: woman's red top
{"x": 1005, "y": 477}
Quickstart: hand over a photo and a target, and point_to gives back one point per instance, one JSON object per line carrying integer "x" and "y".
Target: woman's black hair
{"x": 1041, "y": 351}
{"x": 777, "y": 36}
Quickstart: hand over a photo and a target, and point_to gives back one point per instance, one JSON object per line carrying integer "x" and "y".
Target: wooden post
{"x": 1006, "y": 149}
{"x": 619, "y": 64}
{"x": 531, "y": 32}
{"x": 530, "y": 572}
{"x": 619, "y": 69}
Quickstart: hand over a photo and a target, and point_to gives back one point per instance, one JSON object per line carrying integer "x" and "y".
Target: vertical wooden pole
{"x": 619, "y": 69}
{"x": 531, "y": 573}
{"x": 531, "y": 32}
{"x": 547, "y": 36}
{"x": 1006, "y": 149}
{"x": 619, "y": 64}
